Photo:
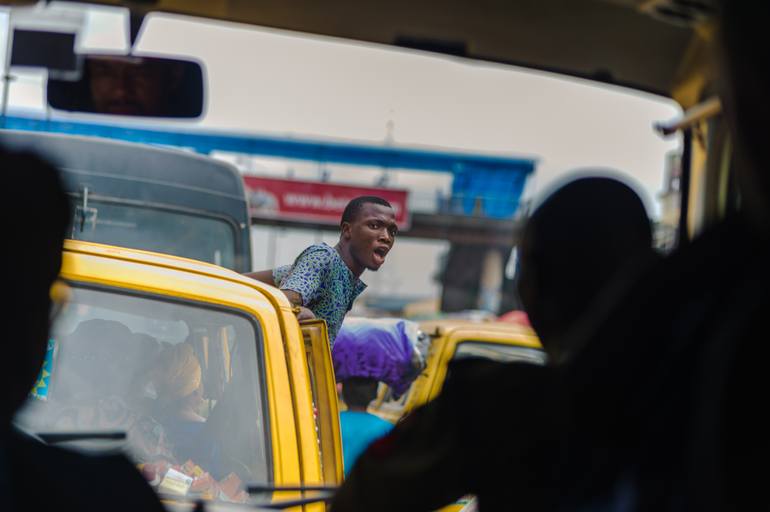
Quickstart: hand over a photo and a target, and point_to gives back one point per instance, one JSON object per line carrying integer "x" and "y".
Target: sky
{"x": 280, "y": 83}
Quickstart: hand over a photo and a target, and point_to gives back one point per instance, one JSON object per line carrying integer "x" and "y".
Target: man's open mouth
{"x": 379, "y": 254}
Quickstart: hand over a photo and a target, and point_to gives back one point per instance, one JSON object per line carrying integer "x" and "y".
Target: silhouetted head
{"x": 744, "y": 82}
{"x": 359, "y": 391}
{"x": 35, "y": 215}
{"x": 573, "y": 245}
{"x": 368, "y": 231}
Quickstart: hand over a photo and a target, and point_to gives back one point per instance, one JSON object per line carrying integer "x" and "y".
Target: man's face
{"x": 127, "y": 88}
{"x": 371, "y": 235}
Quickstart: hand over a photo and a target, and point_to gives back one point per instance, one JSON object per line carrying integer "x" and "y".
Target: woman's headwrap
{"x": 179, "y": 372}
{"x": 380, "y": 349}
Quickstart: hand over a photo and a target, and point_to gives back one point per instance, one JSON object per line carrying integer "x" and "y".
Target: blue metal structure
{"x": 483, "y": 185}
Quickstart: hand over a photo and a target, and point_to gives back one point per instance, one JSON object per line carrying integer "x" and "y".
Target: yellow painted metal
{"x": 696, "y": 68}
{"x": 295, "y": 451}
{"x": 324, "y": 387}
{"x": 447, "y": 334}
{"x": 302, "y": 396}
{"x": 451, "y": 334}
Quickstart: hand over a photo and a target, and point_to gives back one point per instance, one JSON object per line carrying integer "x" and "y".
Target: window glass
{"x": 498, "y": 352}
{"x": 182, "y": 381}
{"x": 156, "y": 230}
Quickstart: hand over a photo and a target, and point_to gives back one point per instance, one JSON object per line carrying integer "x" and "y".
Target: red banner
{"x": 314, "y": 201}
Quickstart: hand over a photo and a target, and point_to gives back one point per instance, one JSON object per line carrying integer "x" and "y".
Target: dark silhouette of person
{"x": 662, "y": 405}
{"x": 588, "y": 234}
{"x": 492, "y": 430}
{"x": 34, "y": 476}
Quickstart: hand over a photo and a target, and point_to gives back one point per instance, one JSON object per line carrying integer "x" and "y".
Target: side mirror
{"x": 132, "y": 86}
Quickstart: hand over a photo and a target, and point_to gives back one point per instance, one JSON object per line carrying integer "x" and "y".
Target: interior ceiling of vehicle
{"x": 643, "y": 44}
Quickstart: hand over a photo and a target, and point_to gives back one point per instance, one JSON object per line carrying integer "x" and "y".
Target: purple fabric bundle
{"x": 377, "y": 349}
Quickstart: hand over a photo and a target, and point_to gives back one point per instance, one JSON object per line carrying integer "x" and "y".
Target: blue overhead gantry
{"x": 483, "y": 185}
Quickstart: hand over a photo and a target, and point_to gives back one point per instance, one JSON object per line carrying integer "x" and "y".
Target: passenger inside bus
{"x": 573, "y": 255}
{"x": 180, "y": 392}
{"x": 179, "y": 387}
{"x": 102, "y": 355}
{"x": 663, "y": 403}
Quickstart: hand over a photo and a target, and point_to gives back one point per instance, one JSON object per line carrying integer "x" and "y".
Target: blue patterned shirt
{"x": 326, "y": 284}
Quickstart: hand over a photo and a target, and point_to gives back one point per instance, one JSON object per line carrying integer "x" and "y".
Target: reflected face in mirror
{"x": 131, "y": 86}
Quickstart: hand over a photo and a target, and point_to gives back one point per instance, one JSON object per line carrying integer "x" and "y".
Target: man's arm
{"x": 296, "y": 301}
{"x": 268, "y": 277}
{"x": 301, "y": 281}
{"x": 304, "y": 279}
{"x": 265, "y": 276}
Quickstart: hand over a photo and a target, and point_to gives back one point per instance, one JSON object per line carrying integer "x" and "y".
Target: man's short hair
{"x": 359, "y": 391}
{"x": 354, "y": 207}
